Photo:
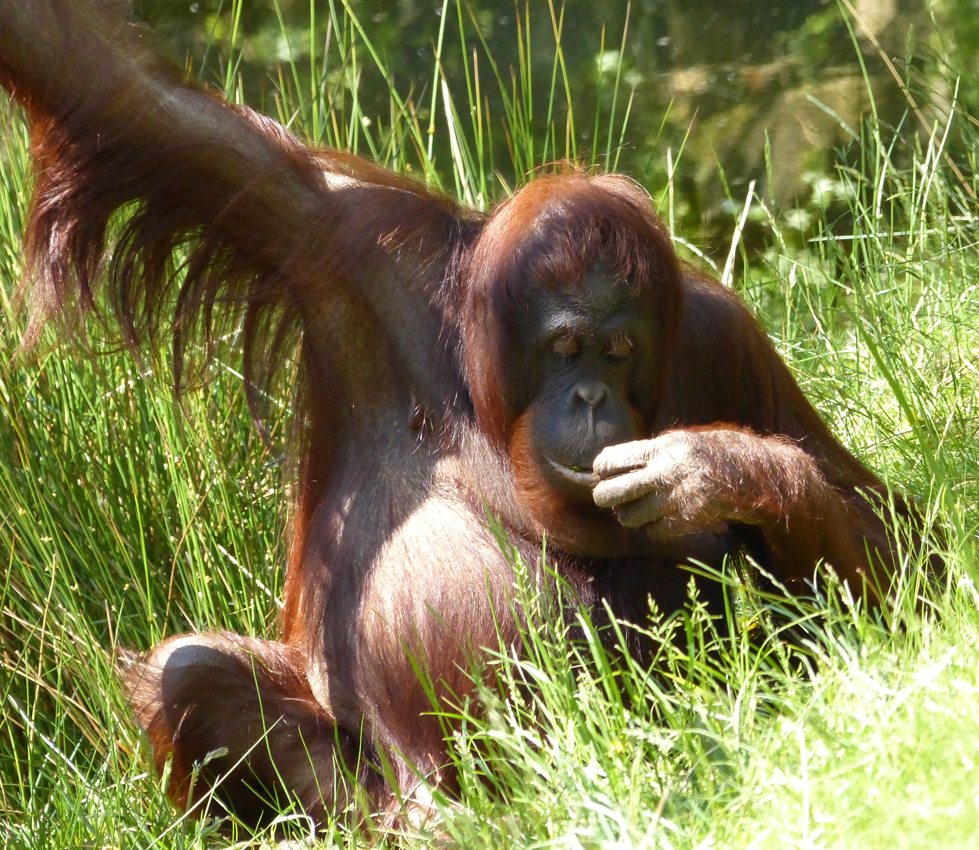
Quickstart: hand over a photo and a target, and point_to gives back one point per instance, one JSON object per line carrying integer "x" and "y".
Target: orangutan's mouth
{"x": 577, "y": 475}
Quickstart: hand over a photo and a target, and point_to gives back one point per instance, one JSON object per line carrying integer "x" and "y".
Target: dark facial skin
{"x": 588, "y": 339}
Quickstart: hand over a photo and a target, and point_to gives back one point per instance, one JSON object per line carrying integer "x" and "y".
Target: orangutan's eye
{"x": 619, "y": 347}
{"x": 565, "y": 346}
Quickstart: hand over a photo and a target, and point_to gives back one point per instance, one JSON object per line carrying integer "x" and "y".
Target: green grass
{"x": 124, "y": 518}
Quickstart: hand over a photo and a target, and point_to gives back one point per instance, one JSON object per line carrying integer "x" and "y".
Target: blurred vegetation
{"x": 767, "y": 91}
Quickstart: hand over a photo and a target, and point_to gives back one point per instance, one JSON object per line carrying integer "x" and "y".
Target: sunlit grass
{"x": 124, "y": 518}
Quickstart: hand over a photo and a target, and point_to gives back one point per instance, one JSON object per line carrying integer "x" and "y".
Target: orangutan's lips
{"x": 581, "y": 477}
